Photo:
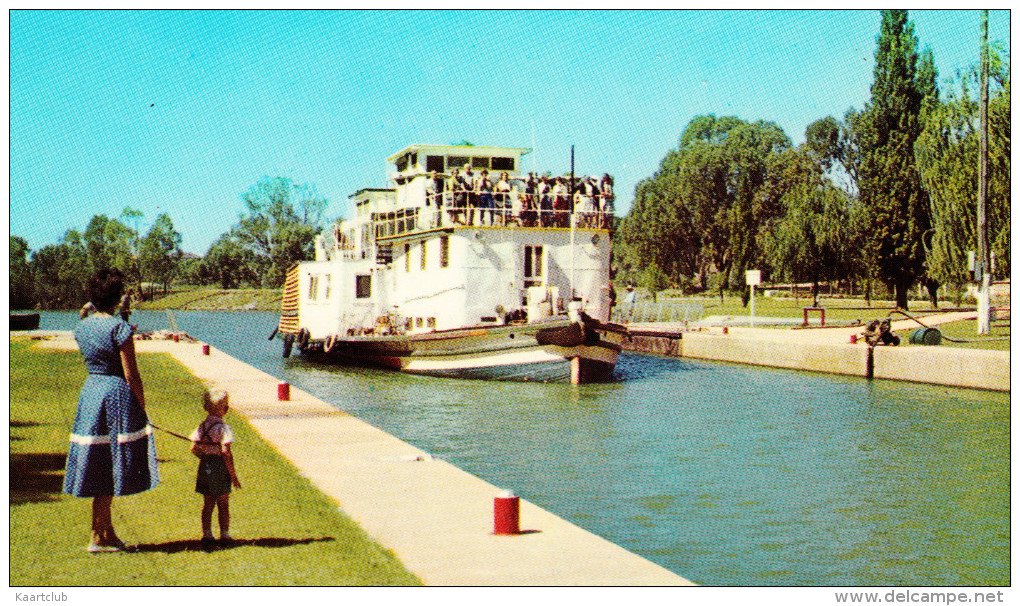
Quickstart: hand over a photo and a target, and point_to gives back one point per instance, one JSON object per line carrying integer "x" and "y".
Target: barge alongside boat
{"x": 445, "y": 275}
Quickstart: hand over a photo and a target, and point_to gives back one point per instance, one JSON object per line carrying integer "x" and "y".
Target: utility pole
{"x": 984, "y": 260}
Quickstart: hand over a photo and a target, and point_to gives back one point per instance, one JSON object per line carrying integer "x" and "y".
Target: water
{"x": 725, "y": 474}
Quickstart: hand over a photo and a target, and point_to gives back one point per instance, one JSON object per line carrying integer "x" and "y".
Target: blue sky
{"x": 182, "y": 112}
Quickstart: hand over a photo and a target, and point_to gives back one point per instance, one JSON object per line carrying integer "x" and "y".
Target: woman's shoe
{"x": 99, "y": 548}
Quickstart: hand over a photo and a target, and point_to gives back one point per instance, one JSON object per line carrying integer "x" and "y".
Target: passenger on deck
{"x": 434, "y": 196}
{"x": 606, "y": 198}
{"x": 501, "y": 197}
{"x": 529, "y": 203}
{"x": 483, "y": 189}
{"x": 461, "y": 187}
{"x": 561, "y": 203}
{"x": 545, "y": 202}
{"x": 584, "y": 202}
{"x": 472, "y": 194}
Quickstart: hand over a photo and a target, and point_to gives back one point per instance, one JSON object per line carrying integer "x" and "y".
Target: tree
{"x": 227, "y": 263}
{"x": 61, "y": 273}
{"x": 95, "y": 242}
{"x": 22, "y": 288}
{"x": 889, "y": 184}
{"x": 699, "y": 210}
{"x": 947, "y": 157}
{"x": 160, "y": 251}
{"x": 279, "y": 226}
{"x": 813, "y": 239}
{"x": 131, "y": 266}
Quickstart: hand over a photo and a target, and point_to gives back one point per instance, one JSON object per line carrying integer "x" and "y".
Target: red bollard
{"x": 506, "y": 514}
{"x": 283, "y": 391}
{"x": 725, "y": 330}
{"x": 853, "y": 339}
{"x": 177, "y": 338}
{"x": 205, "y": 349}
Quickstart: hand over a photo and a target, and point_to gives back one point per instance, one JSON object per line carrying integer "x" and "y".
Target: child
{"x": 210, "y": 442}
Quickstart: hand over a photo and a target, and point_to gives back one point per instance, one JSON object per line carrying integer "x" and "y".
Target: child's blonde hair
{"x": 213, "y": 398}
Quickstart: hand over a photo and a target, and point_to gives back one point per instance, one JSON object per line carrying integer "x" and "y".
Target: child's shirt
{"x": 213, "y": 430}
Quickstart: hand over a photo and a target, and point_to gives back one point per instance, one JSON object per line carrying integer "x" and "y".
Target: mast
{"x": 573, "y": 225}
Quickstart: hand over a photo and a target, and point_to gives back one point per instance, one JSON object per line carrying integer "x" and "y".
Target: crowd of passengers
{"x": 472, "y": 198}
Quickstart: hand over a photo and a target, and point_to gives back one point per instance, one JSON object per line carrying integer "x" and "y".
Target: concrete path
{"x": 435, "y": 517}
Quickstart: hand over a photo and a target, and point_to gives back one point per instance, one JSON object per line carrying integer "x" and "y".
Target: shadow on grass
{"x": 197, "y": 545}
{"x": 36, "y": 477}
{"x": 20, "y": 425}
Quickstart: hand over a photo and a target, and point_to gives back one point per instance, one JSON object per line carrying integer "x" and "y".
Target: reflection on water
{"x": 725, "y": 474}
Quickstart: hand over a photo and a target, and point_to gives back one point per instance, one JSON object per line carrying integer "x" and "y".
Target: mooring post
{"x": 506, "y": 514}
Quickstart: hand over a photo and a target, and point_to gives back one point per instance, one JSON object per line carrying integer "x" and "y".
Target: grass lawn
{"x": 242, "y": 299}
{"x": 837, "y": 311}
{"x": 967, "y": 331}
{"x": 288, "y": 532}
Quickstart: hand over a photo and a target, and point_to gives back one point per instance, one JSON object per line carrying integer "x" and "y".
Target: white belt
{"x": 122, "y": 438}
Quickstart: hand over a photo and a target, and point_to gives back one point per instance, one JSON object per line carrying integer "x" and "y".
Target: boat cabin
{"x": 448, "y": 247}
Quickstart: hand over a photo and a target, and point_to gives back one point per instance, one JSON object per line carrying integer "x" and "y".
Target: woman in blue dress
{"x": 112, "y": 450}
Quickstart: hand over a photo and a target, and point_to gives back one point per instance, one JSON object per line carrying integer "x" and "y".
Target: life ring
{"x": 329, "y": 344}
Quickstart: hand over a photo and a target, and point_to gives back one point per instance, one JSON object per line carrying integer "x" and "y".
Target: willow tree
{"x": 698, "y": 210}
{"x": 889, "y": 184}
{"x": 947, "y": 156}
{"x": 812, "y": 234}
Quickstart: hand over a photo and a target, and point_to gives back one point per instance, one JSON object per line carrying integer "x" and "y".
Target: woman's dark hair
{"x": 105, "y": 288}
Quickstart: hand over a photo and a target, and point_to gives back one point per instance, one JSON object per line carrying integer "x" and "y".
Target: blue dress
{"x": 112, "y": 450}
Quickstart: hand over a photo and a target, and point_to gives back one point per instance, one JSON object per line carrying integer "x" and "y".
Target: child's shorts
{"x": 213, "y": 478}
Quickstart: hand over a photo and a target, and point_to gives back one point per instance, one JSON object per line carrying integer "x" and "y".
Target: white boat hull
{"x": 498, "y": 353}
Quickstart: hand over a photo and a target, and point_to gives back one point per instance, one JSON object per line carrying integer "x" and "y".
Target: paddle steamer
{"x": 437, "y": 275}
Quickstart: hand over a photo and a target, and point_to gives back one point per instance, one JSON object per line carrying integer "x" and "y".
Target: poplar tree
{"x": 896, "y": 204}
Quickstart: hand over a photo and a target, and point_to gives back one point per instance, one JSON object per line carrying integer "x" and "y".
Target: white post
{"x": 753, "y": 278}
{"x": 752, "y": 306}
{"x": 984, "y": 326}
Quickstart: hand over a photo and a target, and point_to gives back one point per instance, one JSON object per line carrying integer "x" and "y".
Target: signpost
{"x": 753, "y": 278}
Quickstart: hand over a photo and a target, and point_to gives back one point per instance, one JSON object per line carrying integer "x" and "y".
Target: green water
{"x": 725, "y": 474}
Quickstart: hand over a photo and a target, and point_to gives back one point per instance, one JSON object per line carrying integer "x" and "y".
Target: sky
{"x": 181, "y": 112}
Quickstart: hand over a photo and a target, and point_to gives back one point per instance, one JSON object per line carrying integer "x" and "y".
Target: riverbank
{"x": 214, "y": 299}
{"x": 831, "y": 350}
{"x": 437, "y": 518}
{"x": 288, "y": 533}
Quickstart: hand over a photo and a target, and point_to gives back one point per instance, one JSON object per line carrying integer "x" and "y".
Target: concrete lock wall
{"x": 819, "y": 357}
{"x": 955, "y": 367}
{"x": 974, "y": 368}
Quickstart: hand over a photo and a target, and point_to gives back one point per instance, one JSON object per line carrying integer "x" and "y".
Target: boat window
{"x": 424, "y": 256}
{"x": 363, "y": 286}
{"x": 313, "y": 287}
{"x": 532, "y": 266}
{"x": 502, "y": 164}
{"x": 457, "y": 161}
{"x": 435, "y": 163}
{"x": 329, "y": 285}
{"x": 414, "y": 159}
{"x": 478, "y": 162}
{"x": 444, "y": 251}
{"x": 407, "y": 258}
{"x": 402, "y": 164}
{"x": 431, "y": 322}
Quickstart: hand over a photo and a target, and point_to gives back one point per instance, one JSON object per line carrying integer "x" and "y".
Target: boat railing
{"x": 524, "y": 210}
